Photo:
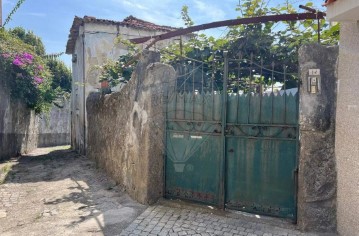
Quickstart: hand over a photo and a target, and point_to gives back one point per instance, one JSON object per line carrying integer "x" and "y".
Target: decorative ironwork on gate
{"x": 231, "y": 135}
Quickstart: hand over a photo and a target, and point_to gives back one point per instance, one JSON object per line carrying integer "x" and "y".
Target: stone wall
{"x": 21, "y": 131}
{"x": 347, "y": 130}
{"x": 54, "y": 128}
{"x": 126, "y": 129}
{"x": 18, "y": 127}
{"x": 317, "y": 171}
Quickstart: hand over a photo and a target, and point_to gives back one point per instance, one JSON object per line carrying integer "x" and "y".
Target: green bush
{"x": 25, "y": 73}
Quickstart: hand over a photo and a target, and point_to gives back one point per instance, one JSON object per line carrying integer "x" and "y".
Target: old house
{"x": 92, "y": 42}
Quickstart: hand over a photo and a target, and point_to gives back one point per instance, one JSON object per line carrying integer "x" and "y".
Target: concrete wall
{"x": 18, "y": 126}
{"x": 347, "y": 131}
{"x": 54, "y": 128}
{"x": 126, "y": 130}
{"x": 317, "y": 173}
{"x": 95, "y": 45}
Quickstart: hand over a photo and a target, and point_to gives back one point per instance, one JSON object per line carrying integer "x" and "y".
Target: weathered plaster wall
{"x": 54, "y": 128}
{"x": 97, "y": 44}
{"x": 18, "y": 127}
{"x": 77, "y": 97}
{"x": 317, "y": 173}
{"x": 126, "y": 130}
{"x": 347, "y": 131}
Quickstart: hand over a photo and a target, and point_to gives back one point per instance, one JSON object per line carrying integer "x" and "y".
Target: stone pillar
{"x": 347, "y": 130}
{"x": 317, "y": 173}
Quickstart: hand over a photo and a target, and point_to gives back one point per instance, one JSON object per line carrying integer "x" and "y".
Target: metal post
{"x": 319, "y": 31}
{"x": 0, "y": 13}
{"x": 193, "y": 89}
{"x": 249, "y": 91}
{"x": 272, "y": 94}
{"x": 224, "y": 121}
{"x": 285, "y": 93}
{"x": 260, "y": 93}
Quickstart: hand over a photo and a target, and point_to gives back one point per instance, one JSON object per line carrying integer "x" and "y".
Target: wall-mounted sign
{"x": 314, "y": 81}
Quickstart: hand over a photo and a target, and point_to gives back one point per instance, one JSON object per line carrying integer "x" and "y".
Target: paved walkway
{"x": 177, "y": 221}
{"x": 57, "y": 192}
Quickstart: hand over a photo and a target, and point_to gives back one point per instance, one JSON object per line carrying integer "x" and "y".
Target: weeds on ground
{"x": 4, "y": 171}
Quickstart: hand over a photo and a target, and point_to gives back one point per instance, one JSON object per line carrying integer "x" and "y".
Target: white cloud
{"x": 208, "y": 12}
{"x": 156, "y": 11}
{"x": 36, "y": 14}
{"x": 135, "y": 5}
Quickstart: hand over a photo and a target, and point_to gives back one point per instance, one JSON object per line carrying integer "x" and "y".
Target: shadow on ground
{"x": 58, "y": 192}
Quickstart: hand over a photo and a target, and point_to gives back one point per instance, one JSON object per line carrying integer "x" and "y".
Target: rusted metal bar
{"x": 233, "y": 22}
{"x": 308, "y": 8}
{"x": 312, "y": 10}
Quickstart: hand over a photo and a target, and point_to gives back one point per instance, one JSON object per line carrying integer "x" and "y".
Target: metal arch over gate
{"x": 235, "y": 149}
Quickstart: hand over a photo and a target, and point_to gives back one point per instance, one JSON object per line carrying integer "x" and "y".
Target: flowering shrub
{"x": 119, "y": 71}
{"x": 27, "y": 79}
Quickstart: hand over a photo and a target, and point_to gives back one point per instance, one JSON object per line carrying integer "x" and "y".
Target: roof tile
{"x": 129, "y": 21}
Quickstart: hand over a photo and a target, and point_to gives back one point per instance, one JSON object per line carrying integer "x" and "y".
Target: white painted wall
{"x": 343, "y": 10}
{"x": 347, "y": 131}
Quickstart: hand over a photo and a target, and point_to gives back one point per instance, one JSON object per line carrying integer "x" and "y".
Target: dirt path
{"x": 54, "y": 191}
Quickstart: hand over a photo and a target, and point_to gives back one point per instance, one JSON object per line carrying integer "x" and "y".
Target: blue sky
{"x": 52, "y": 19}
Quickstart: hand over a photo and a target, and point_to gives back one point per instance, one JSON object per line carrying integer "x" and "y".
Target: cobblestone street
{"x": 173, "y": 221}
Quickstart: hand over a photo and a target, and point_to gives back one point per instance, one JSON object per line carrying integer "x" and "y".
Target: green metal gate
{"x": 234, "y": 149}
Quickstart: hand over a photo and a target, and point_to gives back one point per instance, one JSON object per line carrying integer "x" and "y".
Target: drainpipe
{"x": 84, "y": 89}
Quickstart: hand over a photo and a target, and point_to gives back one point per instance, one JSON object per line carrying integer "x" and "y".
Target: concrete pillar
{"x": 347, "y": 131}
{"x": 317, "y": 174}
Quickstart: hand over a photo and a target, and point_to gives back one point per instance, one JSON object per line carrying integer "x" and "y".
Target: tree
{"x": 274, "y": 44}
{"x": 61, "y": 75}
{"x": 60, "y": 72}
{"x": 30, "y": 75}
{"x": 260, "y": 49}
{"x": 29, "y": 38}
{"x": 24, "y": 73}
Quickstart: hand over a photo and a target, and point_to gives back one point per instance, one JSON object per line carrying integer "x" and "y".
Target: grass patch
{"x": 4, "y": 171}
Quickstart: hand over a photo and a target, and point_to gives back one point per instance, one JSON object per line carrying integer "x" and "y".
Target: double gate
{"x": 233, "y": 143}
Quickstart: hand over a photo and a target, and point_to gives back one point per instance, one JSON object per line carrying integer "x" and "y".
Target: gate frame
{"x": 223, "y": 167}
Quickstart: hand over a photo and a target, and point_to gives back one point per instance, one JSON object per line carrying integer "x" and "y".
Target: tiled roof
{"x": 138, "y": 23}
{"x": 129, "y": 21}
{"x": 327, "y": 2}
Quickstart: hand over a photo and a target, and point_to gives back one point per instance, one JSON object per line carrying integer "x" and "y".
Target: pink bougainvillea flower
{"x": 27, "y": 57}
{"x": 38, "y": 80}
{"x": 40, "y": 67}
{"x": 17, "y": 62}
